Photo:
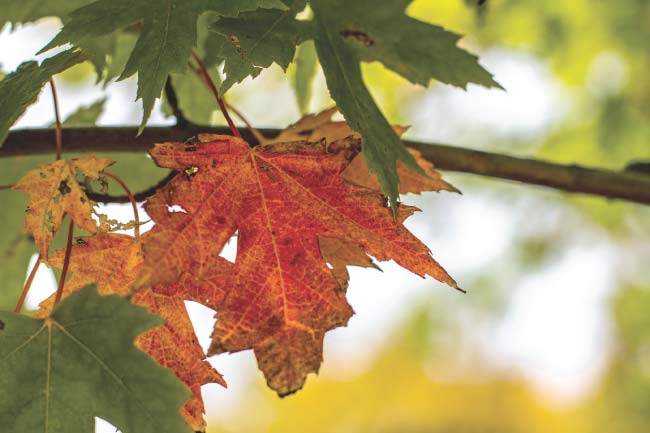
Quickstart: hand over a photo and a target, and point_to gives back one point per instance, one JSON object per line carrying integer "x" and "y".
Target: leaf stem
{"x": 136, "y": 215}
{"x": 57, "y": 118}
{"x": 215, "y": 93}
{"x": 66, "y": 263}
{"x": 28, "y": 285}
{"x": 254, "y": 131}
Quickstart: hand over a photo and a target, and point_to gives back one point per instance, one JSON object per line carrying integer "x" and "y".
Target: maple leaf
{"x": 166, "y": 39}
{"x": 280, "y": 297}
{"x": 417, "y": 50}
{"x": 79, "y": 363}
{"x": 20, "y": 89}
{"x": 314, "y": 127}
{"x": 113, "y": 262}
{"x": 54, "y": 191}
{"x": 258, "y": 39}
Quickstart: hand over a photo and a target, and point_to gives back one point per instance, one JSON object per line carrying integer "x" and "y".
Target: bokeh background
{"x": 554, "y": 332}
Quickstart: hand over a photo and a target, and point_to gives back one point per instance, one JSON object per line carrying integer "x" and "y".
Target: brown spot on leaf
{"x": 235, "y": 42}
{"x": 2, "y": 325}
{"x": 64, "y": 188}
{"x": 358, "y": 36}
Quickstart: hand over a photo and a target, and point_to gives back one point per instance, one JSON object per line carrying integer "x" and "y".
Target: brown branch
{"x": 624, "y": 185}
{"x": 630, "y": 186}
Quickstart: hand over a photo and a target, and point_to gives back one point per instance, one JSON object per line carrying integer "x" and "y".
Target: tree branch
{"x": 625, "y": 185}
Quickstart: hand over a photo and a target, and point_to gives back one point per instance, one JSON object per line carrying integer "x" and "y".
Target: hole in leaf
{"x": 103, "y": 426}
{"x": 229, "y": 251}
{"x": 176, "y": 208}
{"x": 203, "y": 320}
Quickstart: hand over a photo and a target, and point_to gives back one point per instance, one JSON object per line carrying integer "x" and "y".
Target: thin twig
{"x": 136, "y": 216}
{"x": 215, "y": 93}
{"x": 28, "y": 285}
{"x": 57, "y": 119}
{"x": 172, "y": 99}
{"x": 3, "y": 187}
{"x": 66, "y": 263}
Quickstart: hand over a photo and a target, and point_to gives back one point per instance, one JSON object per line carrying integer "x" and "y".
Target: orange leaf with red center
{"x": 280, "y": 297}
{"x": 113, "y": 262}
{"x": 54, "y": 191}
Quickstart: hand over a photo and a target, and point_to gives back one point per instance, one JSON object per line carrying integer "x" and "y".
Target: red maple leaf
{"x": 281, "y": 199}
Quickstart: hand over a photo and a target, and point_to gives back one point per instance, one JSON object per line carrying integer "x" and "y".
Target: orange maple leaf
{"x": 113, "y": 261}
{"x": 314, "y": 127}
{"x": 54, "y": 191}
{"x": 280, "y": 297}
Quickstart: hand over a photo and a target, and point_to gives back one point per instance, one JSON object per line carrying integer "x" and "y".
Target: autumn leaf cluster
{"x": 301, "y": 211}
{"x": 302, "y": 206}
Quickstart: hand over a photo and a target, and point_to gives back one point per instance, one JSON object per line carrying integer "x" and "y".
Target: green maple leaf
{"x": 57, "y": 374}
{"x": 419, "y": 51}
{"x": 258, "y": 39}
{"x": 26, "y": 11}
{"x": 167, "y": 35}
{"x": 364, "y": 30}
{"x": 195, "y": 102}
{"x": 20, "y": 89}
